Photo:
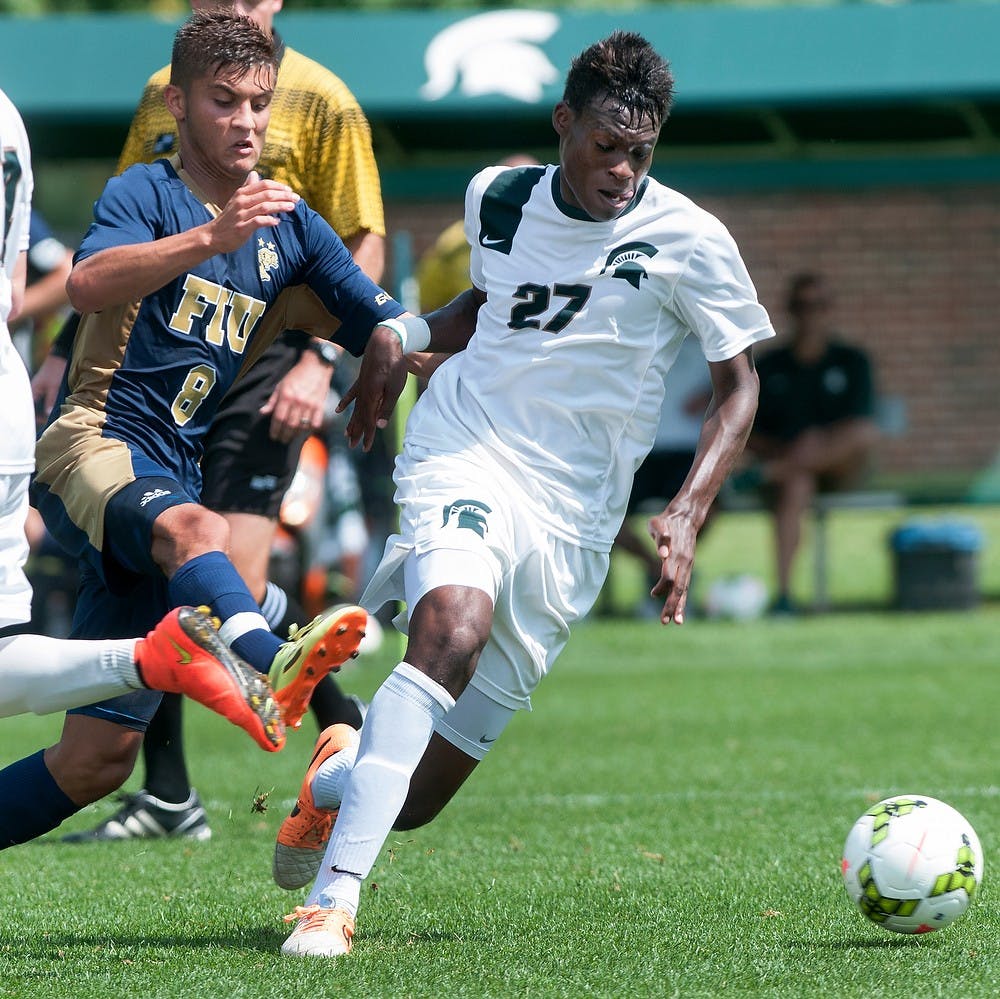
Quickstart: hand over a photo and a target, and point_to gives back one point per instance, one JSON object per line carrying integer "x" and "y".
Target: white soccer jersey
{"x": 563, "y": 379}
{"x": 17, "y": 425}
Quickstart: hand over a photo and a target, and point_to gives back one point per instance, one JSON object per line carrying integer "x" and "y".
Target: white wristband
{"x": 413, "y": 332}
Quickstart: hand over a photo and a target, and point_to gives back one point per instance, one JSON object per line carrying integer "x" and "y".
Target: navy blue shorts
{"x": 102, "y": 614}
{"x": 128, "y": 529}
{"x": 125, "y": 596}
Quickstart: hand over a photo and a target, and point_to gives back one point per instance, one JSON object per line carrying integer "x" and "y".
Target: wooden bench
{"x": 891, "y": 418}
{"x": 822, "y": 506}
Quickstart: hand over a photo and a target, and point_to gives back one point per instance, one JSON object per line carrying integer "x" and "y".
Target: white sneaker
{"x": 319, "y": 932}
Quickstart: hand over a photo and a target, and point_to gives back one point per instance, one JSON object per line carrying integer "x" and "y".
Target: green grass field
{"x": 667, "y": 822}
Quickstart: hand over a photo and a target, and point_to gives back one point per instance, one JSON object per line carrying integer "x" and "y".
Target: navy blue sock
{"x": 31, "y": 802}
{"x": 212, "y": 579}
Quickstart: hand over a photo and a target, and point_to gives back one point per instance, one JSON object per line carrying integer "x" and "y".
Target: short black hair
{"x": 626, "y": 70}
{"x": 212, "y": 39}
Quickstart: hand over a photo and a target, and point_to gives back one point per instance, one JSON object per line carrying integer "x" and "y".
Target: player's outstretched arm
{"x": 451, "y": 328}
{"x": 121, "y": 274}
{"x": 384, "y": 367}
{"x": 723, "y": 436}
{"x": 453, "y": 324}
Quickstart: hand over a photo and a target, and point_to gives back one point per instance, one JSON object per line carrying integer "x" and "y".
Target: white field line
{"x": 743, "y": 792}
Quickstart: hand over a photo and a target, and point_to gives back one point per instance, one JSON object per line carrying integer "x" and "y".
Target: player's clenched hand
{"x": 379, "y": 384}
{"x": 674, "y": 535}
{"x": 255, "y": 205}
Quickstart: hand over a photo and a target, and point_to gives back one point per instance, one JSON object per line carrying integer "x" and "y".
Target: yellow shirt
{"x": 443, "y": 271}
{"x": 318, "y": 142}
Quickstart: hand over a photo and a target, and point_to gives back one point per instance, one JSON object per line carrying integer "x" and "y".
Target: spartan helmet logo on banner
{"x": 494, "y": 53}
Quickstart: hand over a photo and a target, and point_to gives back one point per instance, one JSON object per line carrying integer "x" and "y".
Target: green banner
{"x": 430, "y": 63}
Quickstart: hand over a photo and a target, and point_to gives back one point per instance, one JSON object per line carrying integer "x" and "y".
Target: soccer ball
{"x": 739, "y": 598}
{"x": 912, "y": 864}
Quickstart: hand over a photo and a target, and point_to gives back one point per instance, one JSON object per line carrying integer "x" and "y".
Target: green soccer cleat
{"x": 321, "y": 647}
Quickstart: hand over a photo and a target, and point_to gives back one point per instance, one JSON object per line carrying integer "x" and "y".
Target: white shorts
{"x": 463, "y": 521}
{"x": 15, "y": 590}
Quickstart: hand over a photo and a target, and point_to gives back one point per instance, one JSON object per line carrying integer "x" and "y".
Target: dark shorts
{"x": 101, "y": 614}
{"x": 243, "y": 470}
{"x": 128, "y": 529}
{"x": 126, "y": 594}
{"x": 658, "y": 479}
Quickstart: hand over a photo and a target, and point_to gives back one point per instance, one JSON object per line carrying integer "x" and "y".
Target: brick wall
{"x": 916, "y": 273}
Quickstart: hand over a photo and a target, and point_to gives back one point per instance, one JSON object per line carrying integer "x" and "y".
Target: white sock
{"x": 274, "y": 606}
{"x": 42, "y": 674}
{"x": 330, "y": 780}
{"x": 397, "y": 728}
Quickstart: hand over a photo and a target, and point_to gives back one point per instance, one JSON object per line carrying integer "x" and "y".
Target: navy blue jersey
{"x": 150, "y": 374}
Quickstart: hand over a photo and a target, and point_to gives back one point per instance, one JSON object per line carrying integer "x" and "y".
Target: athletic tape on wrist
{"x": 413, "y": 332}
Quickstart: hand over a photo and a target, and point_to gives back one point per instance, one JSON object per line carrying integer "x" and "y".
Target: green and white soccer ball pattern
{"x": 912, "y": 864}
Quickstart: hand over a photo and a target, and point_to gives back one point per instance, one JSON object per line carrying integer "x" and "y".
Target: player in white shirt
{"x": 17, "y": 435}
{"x": 519, "y": 457}
{"x": 183, "y": 654}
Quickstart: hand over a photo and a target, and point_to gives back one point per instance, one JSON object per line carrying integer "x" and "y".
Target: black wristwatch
{"x": 325, "y": 351}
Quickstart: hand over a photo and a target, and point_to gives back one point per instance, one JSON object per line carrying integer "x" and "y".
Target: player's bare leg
{"x": 442, "y": 770}
{"x": 92, "y": 758}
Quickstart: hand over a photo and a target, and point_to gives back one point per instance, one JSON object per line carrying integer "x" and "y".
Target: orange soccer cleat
{"x": 321, "y": 647}
{"x": 303, "y": 836}
{"x": 184, "y": 654}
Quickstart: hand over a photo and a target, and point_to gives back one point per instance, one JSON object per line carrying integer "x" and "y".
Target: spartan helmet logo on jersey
{"x": 625, "y": 262}
{"x": 468, "y": 514}
{"x": 267, "y": 258}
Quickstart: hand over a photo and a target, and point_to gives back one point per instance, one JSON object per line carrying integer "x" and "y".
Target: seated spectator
{"x": 815, "y": 427}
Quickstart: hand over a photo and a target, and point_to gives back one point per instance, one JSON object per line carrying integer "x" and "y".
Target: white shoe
{"x": 319, "y": 932}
